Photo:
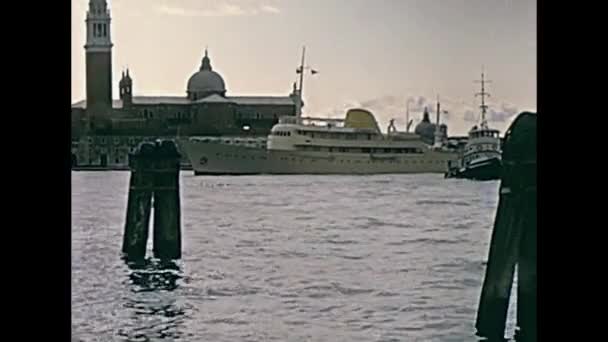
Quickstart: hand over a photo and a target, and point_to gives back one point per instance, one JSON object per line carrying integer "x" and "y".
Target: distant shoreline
{"x": 116, "y": 168}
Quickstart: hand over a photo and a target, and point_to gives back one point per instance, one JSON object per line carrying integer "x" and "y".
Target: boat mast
{"x": 483, "y": 95}
{"x": 300, "y": 70}
{"x": 407, "y": 115}
{"x": 438, "y": 137}
{"x": 438, "y": 111}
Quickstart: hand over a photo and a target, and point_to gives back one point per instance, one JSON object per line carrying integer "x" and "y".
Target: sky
{"x": 376, "y": 54}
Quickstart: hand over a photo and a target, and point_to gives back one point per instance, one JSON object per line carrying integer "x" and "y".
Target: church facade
{"x": 105, "y": 130}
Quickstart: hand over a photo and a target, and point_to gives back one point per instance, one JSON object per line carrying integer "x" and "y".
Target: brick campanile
{"x": 98, "y": 59}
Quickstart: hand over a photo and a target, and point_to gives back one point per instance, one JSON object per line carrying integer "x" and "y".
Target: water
{"x": 288, "y": 258}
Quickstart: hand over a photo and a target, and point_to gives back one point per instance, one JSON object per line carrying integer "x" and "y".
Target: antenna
{"x": 483, "y": 95}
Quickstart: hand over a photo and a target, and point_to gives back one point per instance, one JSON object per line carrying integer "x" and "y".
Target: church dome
{"x": 206, "y": 81}
{"x": 425, "y": 128}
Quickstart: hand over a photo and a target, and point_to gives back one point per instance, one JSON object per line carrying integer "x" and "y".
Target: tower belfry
{"x": 98, "y": 58}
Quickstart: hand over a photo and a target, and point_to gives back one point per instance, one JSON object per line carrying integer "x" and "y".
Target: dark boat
{"x": 482, "y": 156}
{"x": 480, "y": 169}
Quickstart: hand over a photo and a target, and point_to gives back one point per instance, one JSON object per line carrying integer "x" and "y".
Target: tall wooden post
{"x": 167, "y": 216}
{"x": 139, "y": 202}
{"x": 513, "y": 239}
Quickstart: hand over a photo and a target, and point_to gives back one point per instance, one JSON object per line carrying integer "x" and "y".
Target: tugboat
{"x": 482, "y": 156}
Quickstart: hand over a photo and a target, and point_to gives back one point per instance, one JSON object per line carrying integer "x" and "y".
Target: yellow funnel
{"x": 361, "y": 118}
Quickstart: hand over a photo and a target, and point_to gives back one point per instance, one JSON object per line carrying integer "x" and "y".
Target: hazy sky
{"x": 374, "y": 53}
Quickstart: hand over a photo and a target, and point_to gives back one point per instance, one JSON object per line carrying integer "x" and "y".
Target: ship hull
{"x": 486, "y": 170}
{"x": 224, "y": 159}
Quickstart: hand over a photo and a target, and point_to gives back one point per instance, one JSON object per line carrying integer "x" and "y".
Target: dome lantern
{"x": 205, "y": 82}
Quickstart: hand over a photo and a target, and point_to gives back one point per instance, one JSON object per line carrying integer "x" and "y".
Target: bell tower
{"x": 98, "y": 59}
{"x": 125, "y": 87}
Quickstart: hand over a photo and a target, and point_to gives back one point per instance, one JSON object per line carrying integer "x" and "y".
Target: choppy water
{"x": 288, "y": 258}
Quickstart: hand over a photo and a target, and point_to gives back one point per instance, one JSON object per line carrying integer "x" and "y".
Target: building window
{"x": 105, "y": 34}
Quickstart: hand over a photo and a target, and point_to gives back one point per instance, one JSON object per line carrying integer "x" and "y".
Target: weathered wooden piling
{"x": 167, "y": 234}
{"x": 513, "y": 238}
{"x": 141, "y": 186}
{"x": 154, "y": 176}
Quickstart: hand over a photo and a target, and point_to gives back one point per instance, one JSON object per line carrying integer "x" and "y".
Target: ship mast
{"x": 438, "y": 137}
{"x": 407, "y": 115}
{"x": 438, "y": 110}
{"x": 483, "y": 95}
{"x": 300, "y": 70}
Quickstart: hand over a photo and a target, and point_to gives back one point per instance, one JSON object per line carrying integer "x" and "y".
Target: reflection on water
{"x": 153, "y": 274}
{"x": 152, "y": 303}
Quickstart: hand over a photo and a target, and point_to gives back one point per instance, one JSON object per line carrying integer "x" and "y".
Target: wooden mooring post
{"x": 154, "y": 179}
{"x": 513, "y": 239}
{"x": 167, "y": 234}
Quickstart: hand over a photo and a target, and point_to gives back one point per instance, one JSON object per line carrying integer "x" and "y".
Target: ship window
{"x": 366, "y": 150}
{"x": 289, "y": 133}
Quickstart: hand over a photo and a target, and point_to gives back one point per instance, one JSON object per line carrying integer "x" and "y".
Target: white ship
{"x": 297, "y": 145}
{"x": 354, "y": 145}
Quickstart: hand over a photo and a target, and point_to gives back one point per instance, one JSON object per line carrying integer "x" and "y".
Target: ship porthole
{"x": 203, "y": 161}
